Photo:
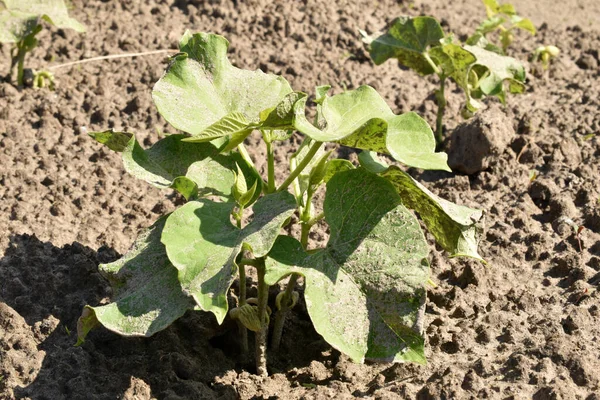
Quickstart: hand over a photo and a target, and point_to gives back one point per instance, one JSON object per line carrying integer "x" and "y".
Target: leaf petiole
{"x": 314, "y": 148}
{"x": 270, "y": 168}
{"x": 261, "y": 336}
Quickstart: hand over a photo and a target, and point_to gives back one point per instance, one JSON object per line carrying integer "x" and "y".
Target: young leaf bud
{"x": 239, "y": 186}
{"x": 318, "y": 172}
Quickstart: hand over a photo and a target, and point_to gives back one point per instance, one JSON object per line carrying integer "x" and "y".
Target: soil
{"x": 525, "y": 325}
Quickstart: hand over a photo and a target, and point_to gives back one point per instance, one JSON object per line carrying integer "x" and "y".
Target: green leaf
{"x": 116, "y": 141}
{"x": 171, "y": 158}
{"x": 16, "y": 26}
{"x": 490, "y": 25}
{"x": 454, "y": 227}
{"x": 407, "y": 40}
{"x": 371, "y": 162}
{"x": 360, "y": 118}
{"x": 336, "y": 166}
{"x": 186, "y": 187}
{"x": 148, "y": 295}
{"x": 365, "y": 288}
{"x": 201, "y": 89}
{"x": 500, "y": 68}
{"x": 282, "y": 116}
{"x": 523, "y": 23}
{"x": 20, "y": 18}
{"x": 202, "y": 243}
{"x": 231, "y": 124}
{"x": 456, "y": 62}
{"x": 491, "y": 7}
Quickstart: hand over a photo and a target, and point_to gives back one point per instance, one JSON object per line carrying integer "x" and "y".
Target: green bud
{"x": 248, "y": 316}
{"x": 318, "y": 172}
{"x": 293, "y": 302}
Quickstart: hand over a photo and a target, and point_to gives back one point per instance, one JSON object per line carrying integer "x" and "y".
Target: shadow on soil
{"x": 48, "y": 286}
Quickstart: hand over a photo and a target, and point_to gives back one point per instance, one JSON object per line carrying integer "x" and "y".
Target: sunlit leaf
{"x": 202, "y": 243}
{"x": 148, "y": 296}
{"x": 364, "y": 290}
{"x": 361, "y": 119}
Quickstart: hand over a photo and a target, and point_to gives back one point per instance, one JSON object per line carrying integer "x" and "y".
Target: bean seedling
{"x": 364, "y": 290}
{"x": 20, "y": 22}
{"x": 479, "y": 68}
{"x": 502, "y": 18}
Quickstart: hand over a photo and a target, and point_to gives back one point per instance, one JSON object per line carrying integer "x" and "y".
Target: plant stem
{"x": 270, "y": 168}
{"x": 242, "y": 301}
{"x": 281, "y": 316}
{"x": 435, "y": 68}
{"x": 261, "y": 336}
{"x": 311, "y": 222}
{"x": 440, "y": 98}
{"x": 20, "y": 63}
{"x": 305, "y": 161}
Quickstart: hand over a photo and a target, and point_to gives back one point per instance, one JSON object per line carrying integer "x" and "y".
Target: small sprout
{"x": 41, "y": 79}
{"x": 533, "y": 174}
{"x": 21, "y": 21}
{"x": 544, "y": 54}
{"x": 293, "y": 300}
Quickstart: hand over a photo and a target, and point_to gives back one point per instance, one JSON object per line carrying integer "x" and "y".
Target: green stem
{"x": 433, "y": 65}
{"x": 286, "y": 299}
{"x": 440, "y": 98}
{"x": 20, "y": 63}
{"x": 249, "y": 261}
{"x": 282, "y": 314}
{"x": 305, "y": 161}
{"x": 270, "y": 169}
{"x": 311, "y": 222}
{"x": 242, "y": 301}
{"x": 261, "y": 336}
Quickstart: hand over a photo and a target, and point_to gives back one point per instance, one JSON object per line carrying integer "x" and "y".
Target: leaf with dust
{"x": 365, "y": 289}
{"x": 203, "y": 244}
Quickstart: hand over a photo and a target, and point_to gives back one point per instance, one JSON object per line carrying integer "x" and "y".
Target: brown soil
{"x": 526, "y": 325}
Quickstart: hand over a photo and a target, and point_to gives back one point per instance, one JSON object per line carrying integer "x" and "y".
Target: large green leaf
{"x": 364, "y": 290}
{"x": 202, "y": 243}
{"x": 454, "y": 227}
{"x": 202, "y": 91}
{"x": 148, "y": 296}
{"x": 173, "y": 163}
{"x": 20, "y": 18}
{"x": 362, "y": 119}
{"x": 408, "y": 40}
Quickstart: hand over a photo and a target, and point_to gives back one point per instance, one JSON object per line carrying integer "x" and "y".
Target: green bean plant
{"x": 504, "y": 19}
{"x": 21, "y": 21}
{"x": 364, "y": 290}
{"x": 479, "y": 68}
{"x": 544, "y": 54}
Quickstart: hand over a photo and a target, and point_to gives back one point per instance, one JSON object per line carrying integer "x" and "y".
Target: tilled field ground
{"x": 526, "y": 325}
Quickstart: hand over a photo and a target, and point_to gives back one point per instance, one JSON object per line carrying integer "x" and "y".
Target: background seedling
{"x": 545, "y": 54}
{"x": 502, "y": 18}
{"x": 364, "y": 290}
{"x": 420, "y": 44}
{"x": 20, "y": 22}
